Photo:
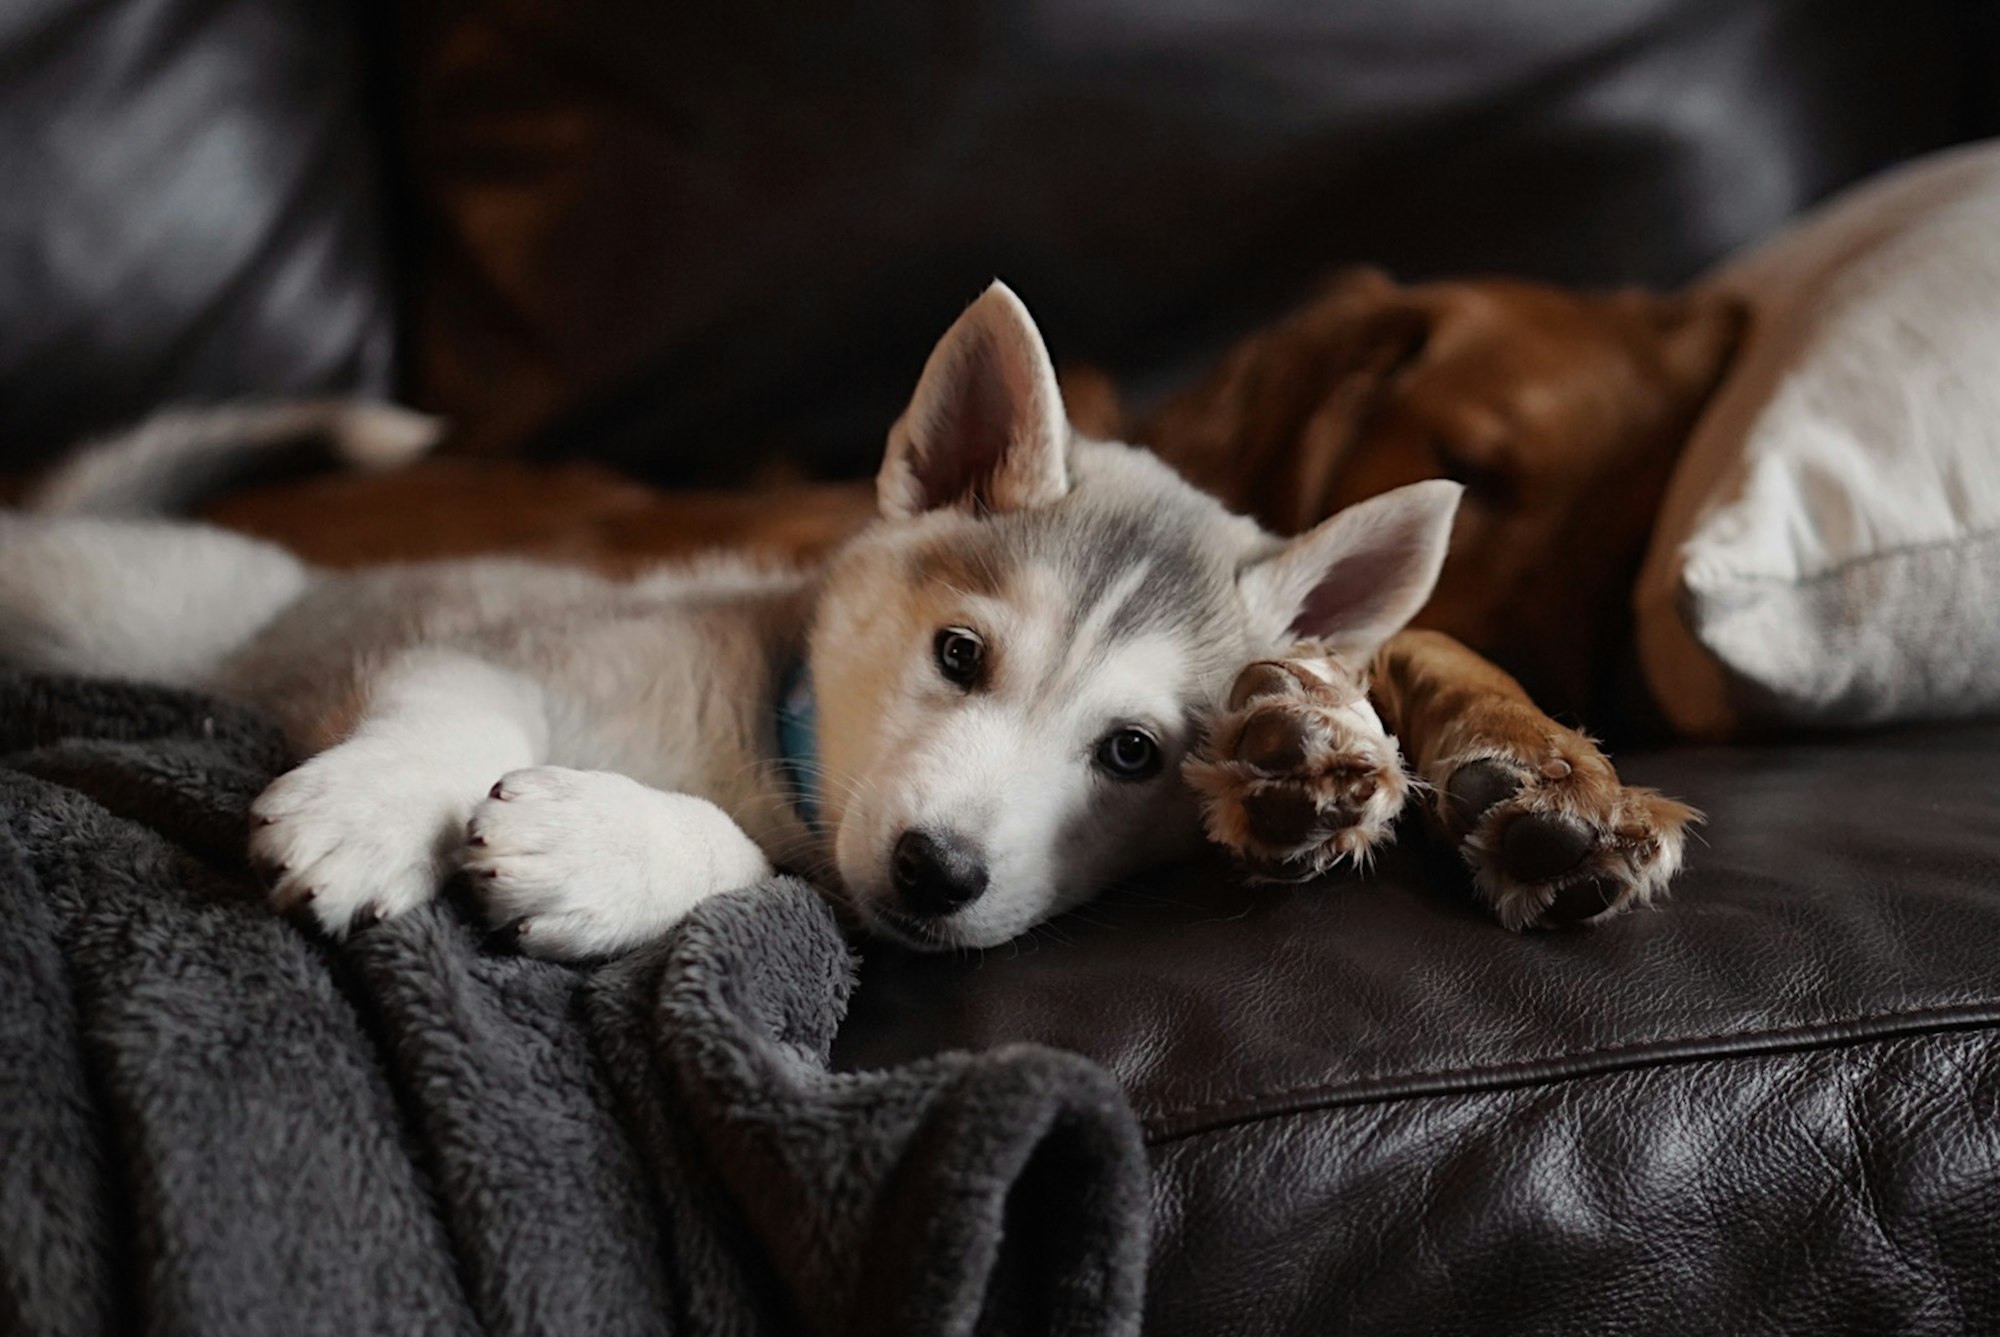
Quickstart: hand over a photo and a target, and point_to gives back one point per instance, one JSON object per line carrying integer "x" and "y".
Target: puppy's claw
{"x": 507, "y": 937}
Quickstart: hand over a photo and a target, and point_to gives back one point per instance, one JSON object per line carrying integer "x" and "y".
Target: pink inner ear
{"x": 1358, "y": 591}
{"x": 969, "y": 434}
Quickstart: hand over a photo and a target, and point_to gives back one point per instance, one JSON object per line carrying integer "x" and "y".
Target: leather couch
{"x": 1773, "y": 1105}
{"x": 699, "y": 239}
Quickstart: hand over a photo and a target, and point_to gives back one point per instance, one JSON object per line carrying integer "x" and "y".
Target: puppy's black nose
{"x": 936, "y": 873}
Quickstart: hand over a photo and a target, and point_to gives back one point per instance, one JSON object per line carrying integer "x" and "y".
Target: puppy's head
{"x": 1561, "y": 412}
{"x": 1012, "y": 662}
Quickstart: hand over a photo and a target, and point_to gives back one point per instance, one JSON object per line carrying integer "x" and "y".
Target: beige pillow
{"x": 1828, "y": 552}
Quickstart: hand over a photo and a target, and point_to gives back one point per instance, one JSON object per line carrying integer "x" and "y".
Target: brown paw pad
{"x": 1264, "y": 678}
{"x": 1281, "y": 817}
{"x": 1473, "y": 789}
{"x": 1274, "y": 741}
{"x": 1541, "y": 847}
{"x": 1585, "y": 900}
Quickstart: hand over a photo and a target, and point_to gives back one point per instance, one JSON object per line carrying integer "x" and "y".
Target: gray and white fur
{"x": 597, "y": 755}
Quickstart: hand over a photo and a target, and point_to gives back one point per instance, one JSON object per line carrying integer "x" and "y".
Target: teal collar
{"x": 798, "y": 742}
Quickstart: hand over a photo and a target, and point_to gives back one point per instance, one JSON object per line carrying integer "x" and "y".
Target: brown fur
{"x": 580, "y": 513}
{"x": 1563, "y": 415}
{"x": 1562, "y": 412}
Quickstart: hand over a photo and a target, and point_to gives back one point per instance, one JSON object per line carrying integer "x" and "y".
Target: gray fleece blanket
{"x": 213, "y": 1122}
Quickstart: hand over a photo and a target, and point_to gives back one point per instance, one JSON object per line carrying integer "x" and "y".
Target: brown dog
{"x": 1561, "y": 412}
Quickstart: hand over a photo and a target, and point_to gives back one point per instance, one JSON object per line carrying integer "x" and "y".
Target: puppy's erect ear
{"x": 1355, "y": 579}
{"x": 985, "y": 429}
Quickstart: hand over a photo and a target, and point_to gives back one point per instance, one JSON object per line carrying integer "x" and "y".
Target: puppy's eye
{"x": 959, "y": 654}
{"x": 1129, "y": 754}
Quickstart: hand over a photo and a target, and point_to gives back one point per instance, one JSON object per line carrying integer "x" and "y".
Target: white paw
{"x": 585, "y": 863}
{"x": 357, "y": 834}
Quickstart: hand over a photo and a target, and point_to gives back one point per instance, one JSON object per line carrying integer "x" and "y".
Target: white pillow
{"x": 1828, "y": 552}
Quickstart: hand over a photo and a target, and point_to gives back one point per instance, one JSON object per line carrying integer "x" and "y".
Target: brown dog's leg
{"x": 1298, "y": 774}
{"x": 1536, "y": 811}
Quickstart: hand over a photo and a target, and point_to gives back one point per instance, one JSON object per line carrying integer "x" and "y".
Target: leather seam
{"x": 1190, "y": 1120}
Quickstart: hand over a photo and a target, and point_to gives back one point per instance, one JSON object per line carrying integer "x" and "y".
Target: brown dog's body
{"x": 1561, "y": 412}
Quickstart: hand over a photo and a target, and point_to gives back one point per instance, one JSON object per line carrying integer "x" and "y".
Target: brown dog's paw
{"x": 1555, "y": 839}
{"x": 1298, "y": 773}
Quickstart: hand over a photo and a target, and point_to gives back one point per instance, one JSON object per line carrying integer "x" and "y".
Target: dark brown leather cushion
{"x": 190, "y": 211}
{"x": 689, "y": 236}
{"x": 1774, "y": 1099}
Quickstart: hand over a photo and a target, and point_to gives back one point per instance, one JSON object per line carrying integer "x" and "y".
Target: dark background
{"x": 695, "y": 242}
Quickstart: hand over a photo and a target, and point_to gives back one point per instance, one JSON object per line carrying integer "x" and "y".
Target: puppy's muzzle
{"x": 936, "y": 873}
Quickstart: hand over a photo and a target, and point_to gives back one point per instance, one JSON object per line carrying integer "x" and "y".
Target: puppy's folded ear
{"x": 1689, "y": 337}
{"x": 985, "y": 430}
{"x": 1699, "y": 334}
{"x": 1357, "y": 578}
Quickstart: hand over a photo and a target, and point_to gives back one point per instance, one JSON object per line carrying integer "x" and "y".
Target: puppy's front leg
{"x": 370, "y": 827}
{"x": 1535, "y": 809}
{"x": 584, "y": 863}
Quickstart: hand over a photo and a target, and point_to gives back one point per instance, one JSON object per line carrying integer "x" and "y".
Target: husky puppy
{"x": 969, "y": 719}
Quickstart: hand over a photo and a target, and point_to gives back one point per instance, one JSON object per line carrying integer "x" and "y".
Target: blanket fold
{"x": 215, "y": 1122}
